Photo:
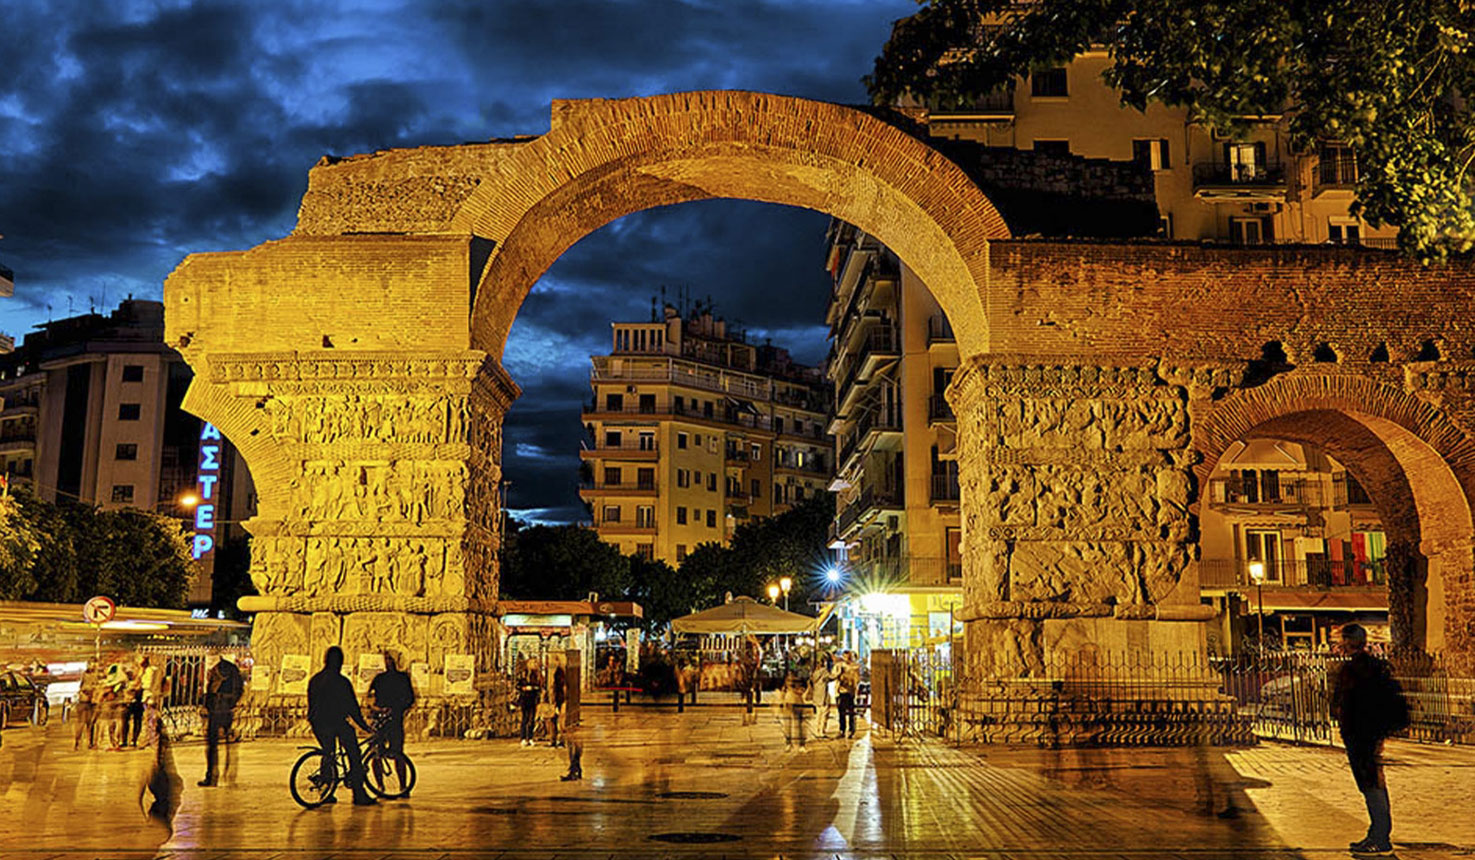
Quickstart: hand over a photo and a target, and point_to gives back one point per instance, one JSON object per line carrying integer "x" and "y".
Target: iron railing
{"x": 1313, "y": 573}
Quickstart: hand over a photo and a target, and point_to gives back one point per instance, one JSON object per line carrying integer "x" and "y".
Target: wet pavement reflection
{"x": 659, "y": 783}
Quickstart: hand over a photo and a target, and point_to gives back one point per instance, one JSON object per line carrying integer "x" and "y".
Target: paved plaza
{"x": 702, "y": 784}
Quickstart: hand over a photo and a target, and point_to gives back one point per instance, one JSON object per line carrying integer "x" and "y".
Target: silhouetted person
{"x": 330, "y": 705}
{"x": 529, "y": 690}
{"x": 847, "y": 682}
{"x": 1369, "y": 705}
{"x": 223, "y": 690}
{"x": 393, "y": 695}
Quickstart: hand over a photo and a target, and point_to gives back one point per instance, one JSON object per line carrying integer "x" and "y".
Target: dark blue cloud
{"x": 132, "y": 134}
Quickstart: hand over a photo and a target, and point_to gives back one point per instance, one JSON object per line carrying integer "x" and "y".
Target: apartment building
{"x": 1293, "y": 518}
{"x": 693, "y": 431}
{"x": 91, "y": 413}
{"x": 1255, "y": 190}
{"x": 898, "y": 527}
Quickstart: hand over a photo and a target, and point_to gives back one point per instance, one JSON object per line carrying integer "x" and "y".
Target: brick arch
{"x": 1420, "y": 462}
{"x": 604, "y": 159}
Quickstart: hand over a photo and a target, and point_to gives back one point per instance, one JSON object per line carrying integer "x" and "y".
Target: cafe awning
{"x": 743, "y": 615}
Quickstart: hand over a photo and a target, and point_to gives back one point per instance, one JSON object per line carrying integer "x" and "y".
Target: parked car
{"x": 21, "y": 701}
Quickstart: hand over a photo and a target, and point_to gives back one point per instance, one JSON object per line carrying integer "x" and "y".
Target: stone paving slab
{"x": 653, "y": 773}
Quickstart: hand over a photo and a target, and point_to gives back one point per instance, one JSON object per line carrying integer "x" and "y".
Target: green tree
{"x": 662, "y": 592}
{"x": 137, "y": 558}
{"x": 792, "y": 544}
{"x": 19, "y": 547}
{"x": 1389, "y": 79}
{"x": 560, "y": 563}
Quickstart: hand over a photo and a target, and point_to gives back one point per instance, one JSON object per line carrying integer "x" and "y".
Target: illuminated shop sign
{"x": 209, "y": 472}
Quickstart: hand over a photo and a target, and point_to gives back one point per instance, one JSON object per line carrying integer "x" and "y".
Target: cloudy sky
{"x": 134, "y": 133}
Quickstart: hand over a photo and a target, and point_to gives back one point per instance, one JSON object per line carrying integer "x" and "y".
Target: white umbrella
{"x": 744, "y": 615}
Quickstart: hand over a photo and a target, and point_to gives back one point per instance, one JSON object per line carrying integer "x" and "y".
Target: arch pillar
{"x": 1079, "y": 545}
{"x": 377, "y": 469}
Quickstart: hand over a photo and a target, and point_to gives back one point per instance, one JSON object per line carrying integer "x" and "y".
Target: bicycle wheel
{"x": 389, "y": 774}
{"x": 310, "y": 787}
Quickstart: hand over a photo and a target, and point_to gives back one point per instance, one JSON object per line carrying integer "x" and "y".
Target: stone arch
{"x": 1420, "y": 461}
{"x": 604, "y": 159}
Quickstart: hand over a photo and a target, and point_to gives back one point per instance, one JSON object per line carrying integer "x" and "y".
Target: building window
{"x": 129, "y": 411}
{"x": 1344, "y": 233}
{"x": 123, "y": 494}
{"x": 697, "y": 476}
{"x": 757, "y": 490}
{"x": 612, "y": 476}
{"x": 126, "y": 451}
{"x": 1249, "y": 231}
{"x": 683, "y": 478}
{"x": 648, "y": 403}
{"x": 1247, "y": 162}
{"x": 755, "y": 452}
{"x": 681, "y": 440}
{"x": 680, "y": 553}
{"x": 611, "y": 513}
{"x": 711, "y": 482}
{"x": 1154, "y": 154}
{"x": 646, "y": 551}
{"x": 1049, "y": 84}
{"x": 611, "y": 438}
{"x": 696, "y": 439}
{"x": 711, "y": 519}
{"x": 133, "y": 373}
{"x": 681, "y": 516}
{"x": 647, "y": 441}
{"x": 778, "y": 424}
{"x": 1059, "y": 148}
{"x": 1337, "y": 165}
{"x": 1165, "y": 226}
{"x": 614, "y": 402}
{"x": 1264, "y": 547}
{"x": 645, "y": 517}
{"x": 645, "y": 479}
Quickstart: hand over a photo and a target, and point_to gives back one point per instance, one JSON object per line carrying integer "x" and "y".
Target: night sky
{"x": 134, "y": 133}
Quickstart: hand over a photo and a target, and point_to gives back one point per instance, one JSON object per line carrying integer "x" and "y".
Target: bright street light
{"x": 785, "y": 583}
{"x": 773, "y": 592}
{"x": 1257, "y": 576}
{"x": 189, "y": 500}
{"x": 833, "y": 575}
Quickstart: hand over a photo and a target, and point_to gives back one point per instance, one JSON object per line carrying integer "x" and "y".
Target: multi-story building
{"x": 693, "y": 431}
{"x": 1253, "y": 190}
{"x": 896, "y": 478}
{"x": 91, "y": 413}
{"x": 1295, "y": 519}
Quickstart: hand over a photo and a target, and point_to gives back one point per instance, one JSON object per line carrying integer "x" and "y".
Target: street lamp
{"x": 785, "y": 583}
{"x": 773, "y": 592}
{"x": 1257, "y": 576}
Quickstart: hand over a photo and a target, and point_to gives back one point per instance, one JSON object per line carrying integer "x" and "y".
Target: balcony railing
{"x": 1285, "y": 493}
{"x": 735, "y": 417}
{"x": 879, "y": 420}
{"x": 815, "y": 466}
{"x": 1314, "y": 573}
{"x": 737, "y": 455}
{"x": 641, "y": 487}
{"x": 1249, "y": 175}
{"x": 869, "y": 500}
{"x": 626, "y": 445}
{"x": 725, "y": 383}
{"x": 938, "y": 409}
{"x": 909, "y": 568}
{"x": 999, "y": 102}
{"x": 945, "y": 488}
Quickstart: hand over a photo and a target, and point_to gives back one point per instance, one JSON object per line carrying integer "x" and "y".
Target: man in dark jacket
{"x": 330, "y": 705}
{"x": 393, "y": 695}
{"x": 1369, "y": 706}
{"x": 223, "y": 690}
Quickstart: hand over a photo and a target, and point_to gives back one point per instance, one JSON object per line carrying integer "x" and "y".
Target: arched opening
{"x": 1344, "y": 514}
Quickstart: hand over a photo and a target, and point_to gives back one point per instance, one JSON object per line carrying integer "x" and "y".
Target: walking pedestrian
{"x": 1369, "y": 706}
{"x": 529, "y": 690}
{"x": 394, "y": 694}
{"x": 559, "y": 694}
{"x": 152, "y": 683}
{"x": 114, "y": 688}
{"x": 223, "y": 690}
{"x": 794, "y": 707}
{"x": 847, "y": 683}
{"x": 84, "y": 714}
{"x": 573, "y": 741}
{"x": 821, "y": 682}
{"x": 133, "y": 707}
{"x": 330, "y": 705}
{"x": 749, "y": 678}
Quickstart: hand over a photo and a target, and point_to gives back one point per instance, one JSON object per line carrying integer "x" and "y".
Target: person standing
{"x": 847, "y": 683}
{"x": 1369, "y": 706}
{"x": 84, "y": 716}
{"x": 114, "y": 689}
{"x": 529, "y": 691}
{"x": 133, "y": 714}
{"x": 573, "y": 735}
{"x": 820, "y": 682}
{"x": 223, "y": 690}
{"x": 330, "y": 705}
{"x": 748, "y": 678}
{"x": 560, "y": 701}
{"x": 152, "y": 684}
{"x": 794, "y": 709}
{"x": 393, "y": 694}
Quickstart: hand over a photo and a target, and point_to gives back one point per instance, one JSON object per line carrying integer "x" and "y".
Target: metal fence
{"x": 1287, "y": 695}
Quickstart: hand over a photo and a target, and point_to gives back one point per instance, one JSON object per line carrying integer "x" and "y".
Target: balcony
{"x": 1253, "y": 180}
{"x": 945, "y": 488}
{"x": 878, "y": 421}
{"x": 880, "y": 342}
{"x": 994, "y": 106}
{"x": 730, "y": 416}
{"x": 625, "y": 529}
{"x": 918, "y": 570}
{"x": 1234, "y": 574}
{"x": 737, "y": 457}
{"x": 688, "y": 376}
{"x": 939, "y": 410}
{"x": 871, "y": 503}
{"x": 627, "y": 450}
{"x": 624, "y": 488}
{"x": 816, "y": 466}
{"x": 1282, "y": 495}
{"x": 1347, "y": 493}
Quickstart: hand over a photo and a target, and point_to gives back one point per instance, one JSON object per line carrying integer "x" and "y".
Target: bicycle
{"x": 387, "y": 774}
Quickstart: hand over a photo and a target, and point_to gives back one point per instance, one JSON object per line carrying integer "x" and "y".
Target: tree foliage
{"x": 560, "y": 563}
{"x": 76, "y": 551}
{"x": 1390, "y": 79}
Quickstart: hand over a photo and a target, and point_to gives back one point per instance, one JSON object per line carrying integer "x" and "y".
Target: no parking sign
{"x": 99, "y": 610}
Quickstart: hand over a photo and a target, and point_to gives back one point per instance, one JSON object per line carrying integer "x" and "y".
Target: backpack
{"x": 1395, "y": 711}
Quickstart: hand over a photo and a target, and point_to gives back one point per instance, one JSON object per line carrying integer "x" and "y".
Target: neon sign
{"x": 209, "y": 477}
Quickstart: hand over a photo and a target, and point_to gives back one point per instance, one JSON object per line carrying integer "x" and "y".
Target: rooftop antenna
{"x": 652, "y": 308}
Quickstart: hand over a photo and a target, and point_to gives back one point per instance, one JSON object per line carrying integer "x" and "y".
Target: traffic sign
{"x": 99, "y": 610}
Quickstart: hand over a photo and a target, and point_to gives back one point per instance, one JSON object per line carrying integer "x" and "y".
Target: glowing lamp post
{"x": 1257, "y": 576}
{"x": 785, "y": 583}
{"x": 773, "y": 593}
